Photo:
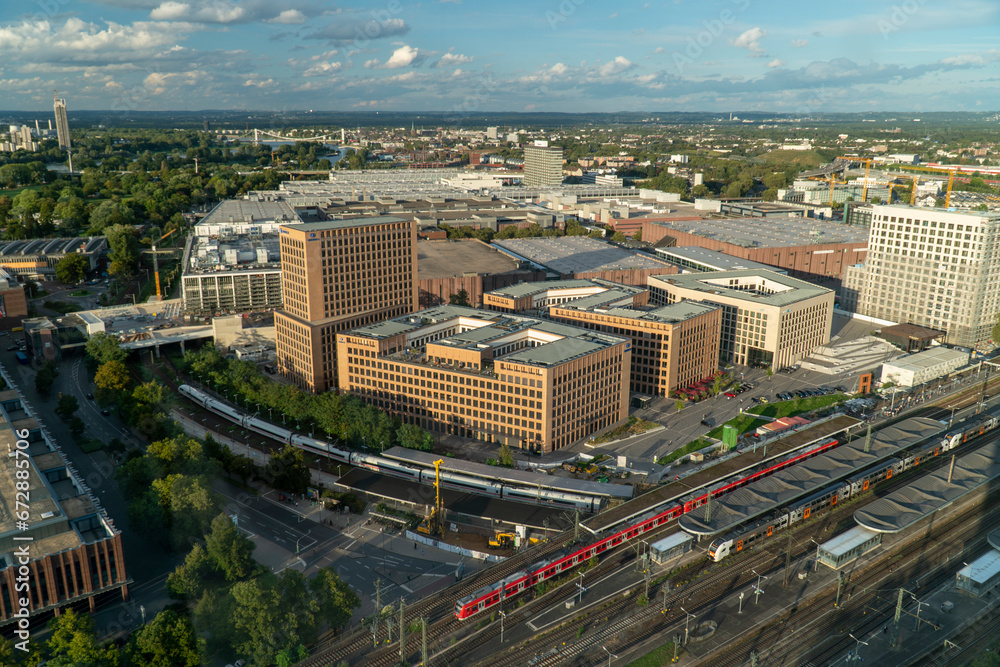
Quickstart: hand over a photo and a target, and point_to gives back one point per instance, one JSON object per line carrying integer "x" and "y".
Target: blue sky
{"x": 516, "y": 55}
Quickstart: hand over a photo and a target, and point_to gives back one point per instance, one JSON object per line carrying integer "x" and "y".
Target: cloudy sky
{"x": 515, "y": 55}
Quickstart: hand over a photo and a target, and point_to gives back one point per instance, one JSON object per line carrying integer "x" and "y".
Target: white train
{"x": 499, "y": 487}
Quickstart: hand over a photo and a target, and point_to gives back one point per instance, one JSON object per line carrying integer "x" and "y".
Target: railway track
{"x": 867, "y": 608}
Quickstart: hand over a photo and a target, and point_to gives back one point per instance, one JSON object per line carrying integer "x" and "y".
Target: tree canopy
{"x": 72, "y": 268}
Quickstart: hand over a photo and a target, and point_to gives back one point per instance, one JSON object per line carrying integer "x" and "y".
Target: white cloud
{"x": 360, "y": 29}
{"x": 799, "y": 43}
{"x": 256, "y": 82}
{"x": 452, "y": 59}
{"x": 210, "y": 12}
{"x": 776, "y": 63}
{"x": 289, "y": 16}
{"x": 750, "y": 40}
{"x": 401, "y": 57}
{"x": 617, "y": 66}
{"x": 558, "y": 69}
{"x": 321, "y": 69}
{"x": 659, "y": 49}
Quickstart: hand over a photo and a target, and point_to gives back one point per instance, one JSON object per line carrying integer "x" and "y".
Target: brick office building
{"x": 532, "y": 384}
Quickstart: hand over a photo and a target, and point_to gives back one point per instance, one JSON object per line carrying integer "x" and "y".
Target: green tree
{"x": 108, "y": 215}
{"x": 73, "y": 642}
{"x": 461, "y": 298}
{"x": 230, "y": 552}
{"x": 505, "y": 456}
{"x": 44, "y": 378}
{"x": 123, "y": 254}
{"x": 638, "y": 234}
{"x": 412, "y": 436}
{"x": 169, "y": 640}
{"x": 335, "y": 598}
{"x": 618, "y": 237}
{"x": 260, "y": 626}
{"x": 190, "y": 579}
{"x": 995, "y": 333}
{"x": 67, "y": 406}
{"x": 148, "y": 393}
{"x": 287, "y": 470}
{"x": 72, "y": 268}
{"x": 102, "y": 348}
{"x": 112, "y": 380}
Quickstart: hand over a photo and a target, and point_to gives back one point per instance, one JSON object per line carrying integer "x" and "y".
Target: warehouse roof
{"x": 445, "y": 259}
{"x": 926, "y": 495}
{"x": 789, "y": 485}
{"x": 579, "y": 254}
{"x": 769, "y": 232}
{"x": 927, "y": 359}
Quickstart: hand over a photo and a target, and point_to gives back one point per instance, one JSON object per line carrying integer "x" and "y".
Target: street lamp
{"x": 503, "y": 615}
{"x": 757, "y": 591}
{"x": 610, "y": 655}
{"x": 300, "y": 538}
{"x": 687, "y": 620}
{"x": 857, "y": 648}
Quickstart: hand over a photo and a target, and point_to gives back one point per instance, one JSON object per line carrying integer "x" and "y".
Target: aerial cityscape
{"x": 458, "y": 334}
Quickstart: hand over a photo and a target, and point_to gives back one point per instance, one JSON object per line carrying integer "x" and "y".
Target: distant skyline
{"x": 519, "y": 55}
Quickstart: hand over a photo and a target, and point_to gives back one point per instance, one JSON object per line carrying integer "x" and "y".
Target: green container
{"x": 729, "y": 436}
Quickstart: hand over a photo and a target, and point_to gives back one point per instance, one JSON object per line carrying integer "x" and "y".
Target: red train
{"x": 489, "y": 596}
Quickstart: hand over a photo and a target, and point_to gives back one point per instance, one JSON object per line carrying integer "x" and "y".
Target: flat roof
{"x": 670, "y": 541}
{"x": 983, "y": 569}
{"x": 926, "y": 495}
{"x": 249, "y": 211}
{"x": 675, "y": 312}
{"x": 521, "y": 477}
{"x": 769, "y": 232}
{"x": 579, "y": 254}
{"x": 325, "y": 225}
{"x": 912, "y": 331}
{"x": 846, "y": 541}
{"x": 714, "y": 259}
{"x": 447, "y": 259}
{"x": 716, "y": 282}
{"x": 528, "y": 289}
{"x": 572, "y": 342}
{"x": 791, "y": 484}
{"x": 929, "y": 358}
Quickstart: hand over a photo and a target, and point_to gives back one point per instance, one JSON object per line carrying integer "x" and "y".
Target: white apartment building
{"x": 934, "y": 268}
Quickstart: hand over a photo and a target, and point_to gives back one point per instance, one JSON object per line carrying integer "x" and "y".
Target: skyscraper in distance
{"x": 62, "y": 123}
{"x": 542, "y": 165}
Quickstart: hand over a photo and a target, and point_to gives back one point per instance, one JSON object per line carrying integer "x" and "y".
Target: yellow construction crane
{"x": 934, "y": 170}
{"x": 833, "y": 180}
{"x": 156, "y": 264}
{"x": 868, "y": 166}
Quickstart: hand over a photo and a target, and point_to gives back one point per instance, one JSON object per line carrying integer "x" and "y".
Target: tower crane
{"x": 868, "y": 166}
{"x": 156, "y": 264}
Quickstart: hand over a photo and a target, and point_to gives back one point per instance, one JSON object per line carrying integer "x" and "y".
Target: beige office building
{"x": 495, "y": 377}
{"x": 338, "y": 275}
{"x": 768, "y": 319}
{"x": 933, "y": 268}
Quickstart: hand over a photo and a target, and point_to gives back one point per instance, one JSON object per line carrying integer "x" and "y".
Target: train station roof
{"x": 522, "y": 478}
{"x": 470, "y": 504}
{"x": 669, "y": 495}
{"x": 784, "y": 487}
{"x": 928, "y": 494}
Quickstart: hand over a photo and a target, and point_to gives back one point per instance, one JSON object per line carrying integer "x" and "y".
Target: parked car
{"x": 90, "y": 396}
{"x": 763, "y": 399}
{"x": 106, "y": 412}
{"x": 730, "y": 395}
{"x": 11, "y": 348}
{"x": 708, "y": 421}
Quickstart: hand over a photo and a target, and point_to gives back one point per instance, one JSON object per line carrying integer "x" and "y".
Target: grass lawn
{"x": 661, "y": 656}
{"x": 797, "y": 406}
{"x": 80, "y": 292}
{"x": 633, "y": 427}
{"x": 747, "y": 422}
{"x": 16, "y": 191}
{"x": 692, "y": 446}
